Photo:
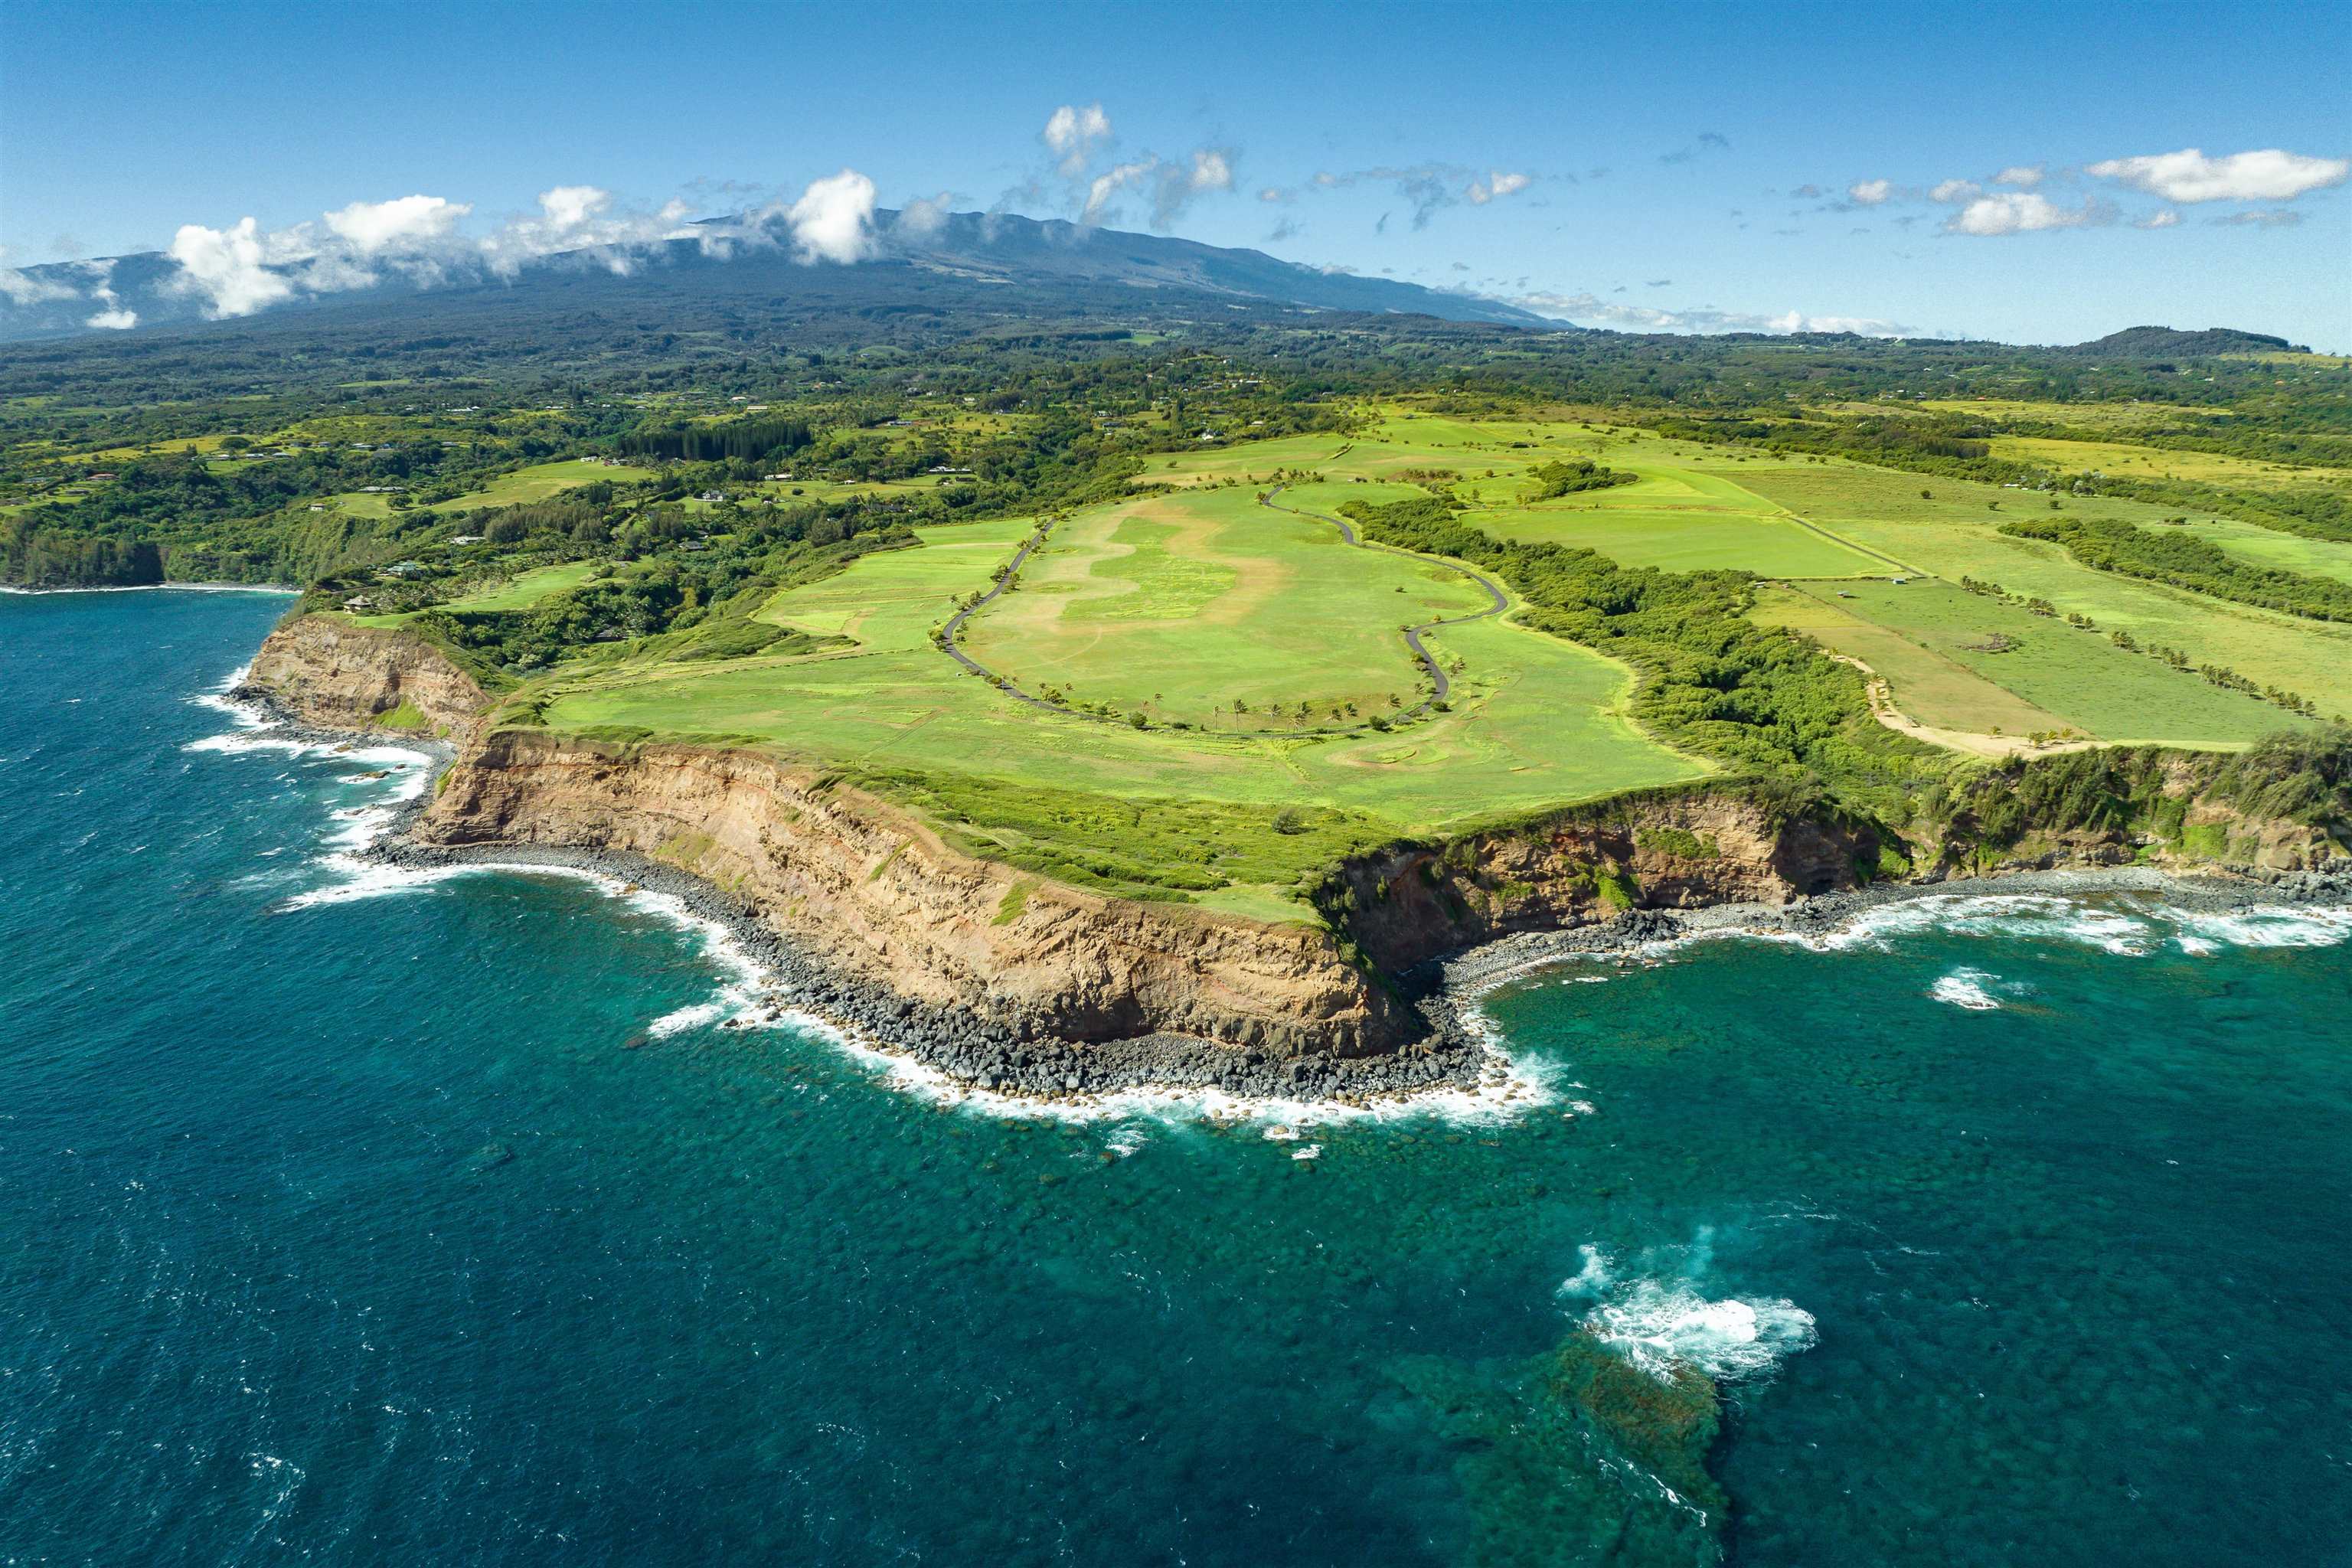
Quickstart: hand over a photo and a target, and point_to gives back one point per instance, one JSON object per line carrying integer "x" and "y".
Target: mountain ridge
{"x": 991, "y": 251}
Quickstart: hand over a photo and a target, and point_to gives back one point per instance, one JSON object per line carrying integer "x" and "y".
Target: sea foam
{"x": 1965, "y": 988}
{"x": 1664, "y": 1326}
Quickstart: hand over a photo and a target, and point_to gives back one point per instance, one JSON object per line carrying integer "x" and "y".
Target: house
{"x": 465, "y": 539}
{"x": 712, "y": 495}
{"x": 359, "y": 602}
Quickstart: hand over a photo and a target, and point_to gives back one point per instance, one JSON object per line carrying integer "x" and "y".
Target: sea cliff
{"x": 1030, "y": 979}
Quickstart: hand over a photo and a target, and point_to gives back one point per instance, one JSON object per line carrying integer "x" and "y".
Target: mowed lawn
{"x": 1178, "y": 606}
{"x": 1954, "y": 532}
{"x": 1540, "y": 721}
{"x": 1935, "y": 643}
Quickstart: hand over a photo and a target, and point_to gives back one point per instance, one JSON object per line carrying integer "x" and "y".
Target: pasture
{"x": 1689, "y": 511}
{"x": 1963, "y": 661}
{"x": 2126, "y": 460}
{"x": 1180, "y": 607}
{"x": 1954, "y": 532}
{"x": 538, "y": 482}
{"x": 1536, "y": 721}
{"x": 1192, "y": 623}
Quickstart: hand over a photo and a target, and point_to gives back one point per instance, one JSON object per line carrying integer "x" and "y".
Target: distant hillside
{"x": 2170, "y": 342}
{"x": 974, "y": 262}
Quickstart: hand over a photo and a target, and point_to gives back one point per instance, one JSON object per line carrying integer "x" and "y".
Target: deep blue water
{"x": 344, "y": 1228}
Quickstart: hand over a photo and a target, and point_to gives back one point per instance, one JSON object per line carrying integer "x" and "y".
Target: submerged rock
{"x": 1576, "y": 1458}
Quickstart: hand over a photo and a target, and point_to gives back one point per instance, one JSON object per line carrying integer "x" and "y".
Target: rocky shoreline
{"x": 974, "y": 1053}
{"x": 1465, "y": 975}
{"x": 1024, "y": 1061}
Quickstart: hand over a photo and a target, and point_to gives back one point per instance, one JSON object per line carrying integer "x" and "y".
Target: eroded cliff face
{"x": 340, "y": 676}
{"x": 867, "y": 889}
{"x": 1407, "y": 905}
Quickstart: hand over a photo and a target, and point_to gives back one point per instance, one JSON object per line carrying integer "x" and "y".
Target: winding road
{"x": 1440, "y": 683}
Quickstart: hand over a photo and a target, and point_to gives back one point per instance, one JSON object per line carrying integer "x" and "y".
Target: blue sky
{"x": 1617, "y": 164}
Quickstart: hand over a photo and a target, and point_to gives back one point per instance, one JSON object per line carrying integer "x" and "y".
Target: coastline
{"x": 948, "y": 1052}
{"x": 155, "y": 588}
{"x": 969, "y": 1053}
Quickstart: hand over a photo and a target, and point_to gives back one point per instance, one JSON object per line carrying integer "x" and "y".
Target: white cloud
{"x": 405, "y": 224}
{"x": 225, "y": 267}
{"x": 924, "y": 216}
{"x": 2188, "y": 175}
{"x": 570, "y": 206}
{"x": 23, "y": 288}
{"x": 2024, "y": 176}
{"x": 833, "y": 219}
{"x": 111, "y": 316}
{"x": 1869, "y": 193}
{"x": 2020, "y": 212}
{"x": 1497, "y": 184}
{"x": 1590, "y": 309}
{"x": 1108, "y": 184}
{"x": 1212, "y": 170}
{"x": 583, "y": 218}
{"x": 2165, "y": 218}
{"x": 1276, "y": 194}
{"x": 1071, "y": 134}
{"x": 1956, "y": 191}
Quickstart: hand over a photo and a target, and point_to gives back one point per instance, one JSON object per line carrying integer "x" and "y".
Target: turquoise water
{"x": 339, "y": 1224}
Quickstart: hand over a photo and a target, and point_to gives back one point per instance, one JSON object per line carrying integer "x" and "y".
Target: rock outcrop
{"x": 339, "y": 675}
{"x": 1684, "y": 850}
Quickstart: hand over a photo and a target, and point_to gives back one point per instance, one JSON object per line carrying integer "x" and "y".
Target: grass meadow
{"x": 1936, "y": 644}
{"x": 1536, "y": 720}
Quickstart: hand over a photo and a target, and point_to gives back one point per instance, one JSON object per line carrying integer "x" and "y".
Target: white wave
{"x": 1309, "y": 1151}
{"x": 2263, "y": 925}
{"x": 1663, "y": 1326}
{"x": 1592, "y": 1279}
{"x": 1965, "y": 988}
{"x": 689, "y": 1018}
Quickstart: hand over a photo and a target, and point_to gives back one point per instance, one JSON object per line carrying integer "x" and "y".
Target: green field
{"x": 1798, "y": 518}
{"x": 1181, "y": 607}
{"x": 1192, "y": 623}
{"x": 1689, "y": 512}
{"x": 520, "y": 591}
{"x": 2130, "y": 461}
{"x": 535, "y": 483}
{"x": 1954, "y": 533}
{"x": 1536, "y": 721}
{"x": 1935, "y": 646}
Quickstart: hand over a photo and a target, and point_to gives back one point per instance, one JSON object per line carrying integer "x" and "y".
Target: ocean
{"x": 352, "y": 1217}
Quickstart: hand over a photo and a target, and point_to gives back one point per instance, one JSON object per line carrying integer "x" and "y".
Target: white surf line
{"x": 154, "y": 588}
